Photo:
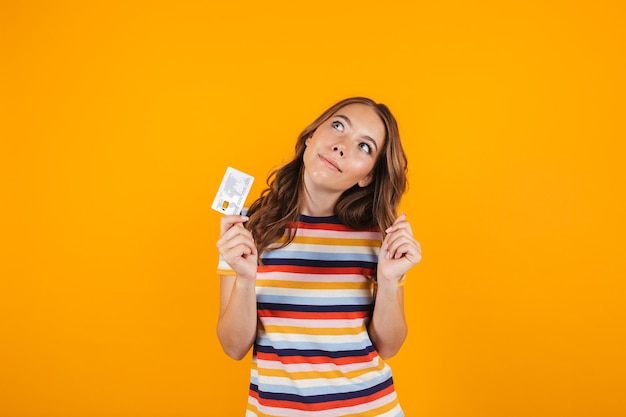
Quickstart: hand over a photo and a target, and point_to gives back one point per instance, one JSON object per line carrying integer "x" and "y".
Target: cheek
{"x": 361, "y": 169}
{"x": 365, "y": 161}
{"x": 307, "y": 155}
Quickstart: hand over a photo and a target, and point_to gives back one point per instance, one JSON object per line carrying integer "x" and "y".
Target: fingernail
{"x": 389, "y": 229}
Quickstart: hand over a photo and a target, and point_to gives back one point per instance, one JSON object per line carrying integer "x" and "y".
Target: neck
{"x": 318, "y": 205}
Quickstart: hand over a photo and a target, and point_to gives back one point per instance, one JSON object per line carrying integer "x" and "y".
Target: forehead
{"x": 365, "y": 119}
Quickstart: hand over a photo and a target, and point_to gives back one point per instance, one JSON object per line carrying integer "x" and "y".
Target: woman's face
{"x": 343, "y": 150}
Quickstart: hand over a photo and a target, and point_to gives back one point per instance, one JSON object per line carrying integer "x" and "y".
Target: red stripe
{"x": 315, "y": 270}
{"x": 332, "y": 315}
{"x": 332, "y": 227}
{"x": 287, "y": 360}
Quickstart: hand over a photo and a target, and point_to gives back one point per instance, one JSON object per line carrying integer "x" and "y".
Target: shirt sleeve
{"x": 223, "y": 268}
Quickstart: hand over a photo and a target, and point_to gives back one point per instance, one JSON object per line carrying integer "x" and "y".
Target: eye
{"x": 337, "y": 125}
{"x": 365, "y": 147}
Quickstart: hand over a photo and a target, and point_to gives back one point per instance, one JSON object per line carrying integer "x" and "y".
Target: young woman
{"x": 312, "y": 277}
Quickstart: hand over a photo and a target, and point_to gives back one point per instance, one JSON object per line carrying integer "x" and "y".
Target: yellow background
{"x": 118, "y": 119}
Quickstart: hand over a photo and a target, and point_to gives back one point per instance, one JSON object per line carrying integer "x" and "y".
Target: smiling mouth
{"x": 329, "y": 163}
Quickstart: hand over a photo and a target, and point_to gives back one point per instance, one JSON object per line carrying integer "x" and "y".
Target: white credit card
{"x": 234, "y": 189}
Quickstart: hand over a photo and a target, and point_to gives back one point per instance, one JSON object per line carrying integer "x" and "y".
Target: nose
{"x": 339, "y": 149}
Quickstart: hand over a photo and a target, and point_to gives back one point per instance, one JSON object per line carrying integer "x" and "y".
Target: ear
{"x": 365, "y": 181}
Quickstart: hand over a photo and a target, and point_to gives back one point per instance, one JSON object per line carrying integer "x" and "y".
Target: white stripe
{"x": 299, "y": 277}
{"x": 310, "y": 293}
{"x": 349, "y": 234}
{"x": 362, "y": 408}
{"x": 326, "y": 248}
{"x": 335, "y": 412}
{"x": 318, "y": 367}
{"x": 324, "y": 382}
{"x": 309, "y": 338}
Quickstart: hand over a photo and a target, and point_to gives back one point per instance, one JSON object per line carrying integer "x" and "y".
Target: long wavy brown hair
{"x": 373, "y": 206}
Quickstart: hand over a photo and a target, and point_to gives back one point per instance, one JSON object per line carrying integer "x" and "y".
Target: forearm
{"x": 237, "y": 324}
{"x": 388, "y": 327}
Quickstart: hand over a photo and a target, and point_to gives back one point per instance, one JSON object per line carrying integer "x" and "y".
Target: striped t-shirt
{"x": 313, "y": 355}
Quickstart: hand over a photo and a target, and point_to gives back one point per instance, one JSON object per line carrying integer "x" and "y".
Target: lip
{"x": 329, "y": 163}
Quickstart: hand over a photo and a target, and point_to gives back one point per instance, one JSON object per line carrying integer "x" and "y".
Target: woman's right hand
{"x": 237, "y": 247}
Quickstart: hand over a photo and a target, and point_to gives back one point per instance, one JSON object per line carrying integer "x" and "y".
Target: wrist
{"x": 391, "y": 282}
{"x": 245, "y": 282}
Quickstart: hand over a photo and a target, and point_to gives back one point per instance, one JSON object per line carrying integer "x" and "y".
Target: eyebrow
{"x": 368, "y": 138}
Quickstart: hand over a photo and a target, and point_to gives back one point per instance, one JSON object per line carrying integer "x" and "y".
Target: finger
{"x": 393, "y": 239}
{"x": 401, "y": 247}
{"x": 238, "y": 250}
{"x": 409, "y": 251}
{"x": 234, "y": 231}
{"x": 398, "y": 219}
{"x": 228, "y": 221}
{"x": 400, "y": 223}
{"x": 403, "y": 250}
{"x": 227, "y": 243}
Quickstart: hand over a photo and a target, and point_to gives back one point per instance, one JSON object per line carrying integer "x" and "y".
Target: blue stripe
{"x": 317, "y": 263}
{"x": 317, "y": 352}
{"x": 320, "y": 301}
{"x": 345, "y": 346}
{"x": 325, "y": 389}
{"x": 339, "y": 308}
{"x": 319, "y": 220}
{"x": 317, "y": 399}
{"x": 321, "y": 256}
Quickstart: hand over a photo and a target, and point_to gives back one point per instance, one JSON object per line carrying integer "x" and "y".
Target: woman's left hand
{"x": 399, "y": 252}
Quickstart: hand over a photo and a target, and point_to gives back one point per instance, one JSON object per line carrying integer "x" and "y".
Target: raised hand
{"x": 237, "y": 247}
{"x": 399, "y": 252}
